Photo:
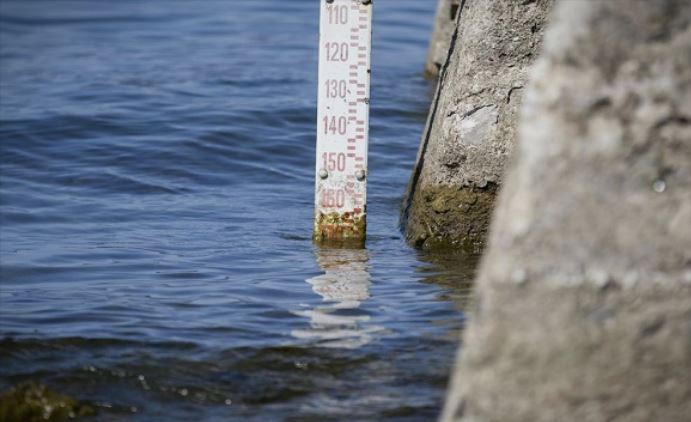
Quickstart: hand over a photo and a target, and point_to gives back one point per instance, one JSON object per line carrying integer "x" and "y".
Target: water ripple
{"x": 156, "y": 190}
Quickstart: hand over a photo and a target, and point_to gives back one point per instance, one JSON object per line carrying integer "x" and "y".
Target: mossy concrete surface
{"x": 472, "y": 123}
{"x": 31, "y": 402}
{"x": 451, "y": 217}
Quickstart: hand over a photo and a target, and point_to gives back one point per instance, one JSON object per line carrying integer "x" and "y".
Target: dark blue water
{"x": 156, "y": 194}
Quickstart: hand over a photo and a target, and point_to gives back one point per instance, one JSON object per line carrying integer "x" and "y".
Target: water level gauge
{"x": 345, "y": 42}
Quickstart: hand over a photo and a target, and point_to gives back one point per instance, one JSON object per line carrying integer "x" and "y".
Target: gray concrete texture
{"x": 444, "y": 26}
{"x": 583, "y": 299}
{"x": 472, "y": 123}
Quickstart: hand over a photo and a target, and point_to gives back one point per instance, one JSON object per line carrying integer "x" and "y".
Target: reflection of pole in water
{"x": 345, "y": 284}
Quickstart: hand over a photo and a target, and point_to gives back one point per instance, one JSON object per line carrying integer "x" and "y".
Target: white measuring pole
{"x": 345, "y": 42}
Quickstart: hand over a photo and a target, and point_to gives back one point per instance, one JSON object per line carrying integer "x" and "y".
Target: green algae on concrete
{"x": 336, "y": 227}
{"x": 29, "y": 402}
{"x": 449, "y": 217}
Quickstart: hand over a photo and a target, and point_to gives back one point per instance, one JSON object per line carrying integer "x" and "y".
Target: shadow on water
{"x": 452, "y": 271}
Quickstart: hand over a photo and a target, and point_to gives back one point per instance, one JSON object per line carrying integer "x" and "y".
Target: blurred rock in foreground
{"x": 583, "y": 308}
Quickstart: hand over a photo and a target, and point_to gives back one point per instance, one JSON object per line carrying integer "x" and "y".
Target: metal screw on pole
{"x": 360, "y": 175}
{"x": 323, "y": 173}
{"x": 364, "y": 2}
{"x": 329, "y": 1}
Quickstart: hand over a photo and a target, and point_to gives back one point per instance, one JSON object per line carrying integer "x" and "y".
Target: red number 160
{"x": 332, "y": 198}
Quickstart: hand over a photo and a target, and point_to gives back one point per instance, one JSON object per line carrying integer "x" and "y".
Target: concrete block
{"x": 583, "y": 301}
{"x": 472, "y": 124}
{"x": 444, "y": 26}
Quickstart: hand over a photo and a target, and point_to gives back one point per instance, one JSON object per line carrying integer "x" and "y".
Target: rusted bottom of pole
{"x": 336, "y": 227}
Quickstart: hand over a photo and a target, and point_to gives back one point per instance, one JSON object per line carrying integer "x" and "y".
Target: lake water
{"x": 156, "y": 206}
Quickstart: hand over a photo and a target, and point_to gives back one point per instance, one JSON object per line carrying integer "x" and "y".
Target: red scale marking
{"x": 357, "y": 197}
{"x": 361, "y": 91}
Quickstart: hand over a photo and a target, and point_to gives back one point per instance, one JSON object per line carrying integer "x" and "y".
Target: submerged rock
{"x": 583, "y": 306}
{"x": 29, "y": 402}
{"x": 472, "y": 124}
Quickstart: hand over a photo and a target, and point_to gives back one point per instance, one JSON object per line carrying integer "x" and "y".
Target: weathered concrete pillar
{"x": 583, "y": 307}
{"x": 471, "y": 127}
{"x": 444, "y": 26}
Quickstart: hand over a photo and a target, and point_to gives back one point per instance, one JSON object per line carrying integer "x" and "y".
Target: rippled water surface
{"x": 156, "y": 207}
